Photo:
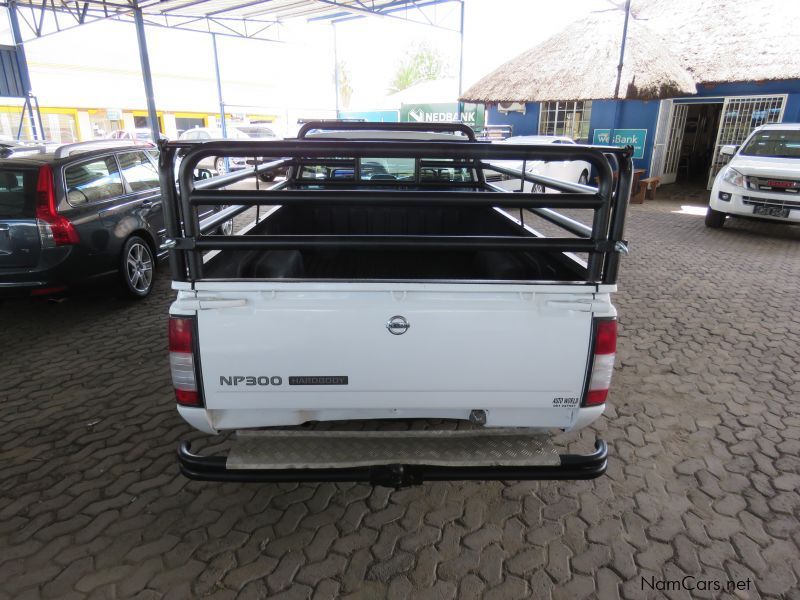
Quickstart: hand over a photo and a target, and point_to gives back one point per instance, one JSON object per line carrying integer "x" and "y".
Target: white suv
{"x": 762, "y": 178}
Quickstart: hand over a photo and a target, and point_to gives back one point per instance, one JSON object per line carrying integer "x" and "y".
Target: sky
{"x": 97, "y": 65}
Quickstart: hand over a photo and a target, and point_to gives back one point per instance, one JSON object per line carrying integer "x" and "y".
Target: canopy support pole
{"x": 461, "y": 63}
{"x": 37, "y": 131}
{"x": 615, "y": 123}
{"x": 147, "y": 76}
{"x": 222, "y": 121}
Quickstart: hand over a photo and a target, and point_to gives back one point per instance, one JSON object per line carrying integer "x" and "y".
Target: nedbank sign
{"x": 443, "y": 112}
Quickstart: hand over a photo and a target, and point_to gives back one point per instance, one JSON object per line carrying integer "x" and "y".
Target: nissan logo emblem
{"x": 397, "y": 325}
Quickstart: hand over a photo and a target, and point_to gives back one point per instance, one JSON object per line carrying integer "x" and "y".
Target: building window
{"x": 59, "y": 127}
{"x": 566, "y": 118}
{"x": 9, "y": 123}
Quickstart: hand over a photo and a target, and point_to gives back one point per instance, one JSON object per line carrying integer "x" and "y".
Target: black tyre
{"x": 227, "y": 227}
{"x": 537, "y": 188}
{"x": 268, "y": 176}
{"x": 137, "y": 268}
{"x": 714, "y": 218}
{"x": 219, "y": 166}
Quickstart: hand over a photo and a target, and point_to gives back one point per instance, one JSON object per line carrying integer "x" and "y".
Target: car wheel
{"x": 219, "y": 166}
{"x": 714, "y": 218}
{"x": 227, "y": 227}
{"x": 137, "y": 268}
{"x": 268, "y": 176}
{"x": 584, "y": 178}
{"x": 537, "y": 188}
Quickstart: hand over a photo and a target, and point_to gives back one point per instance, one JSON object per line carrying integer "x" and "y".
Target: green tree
{"x": 422, "y": 64}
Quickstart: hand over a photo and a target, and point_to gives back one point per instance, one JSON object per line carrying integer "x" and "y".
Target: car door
{"x": 562, "y": 169}
{"x": 208, "y": 162}
{"x": 96, "y": 204}
{"x": 573, "y": 169}
{"x": 141, "y": 178}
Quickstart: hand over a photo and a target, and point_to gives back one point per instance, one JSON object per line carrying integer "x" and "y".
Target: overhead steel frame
{"x": 34, "y": 118}
{"x": 46, "y": 17}
{"x": 412, "y": 12}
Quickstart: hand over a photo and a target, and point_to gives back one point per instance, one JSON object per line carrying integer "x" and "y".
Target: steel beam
{"x": 25, "y": 78}
{"x": 219, "y": 87}
{"x": 147, "y": 76}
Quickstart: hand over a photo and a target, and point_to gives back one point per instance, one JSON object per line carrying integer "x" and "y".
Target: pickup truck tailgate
{"x": 318, "y": 349}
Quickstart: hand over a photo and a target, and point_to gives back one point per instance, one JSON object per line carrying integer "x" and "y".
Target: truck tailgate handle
{"x": 589, "y": 306}
{"x": 211, "y": 303}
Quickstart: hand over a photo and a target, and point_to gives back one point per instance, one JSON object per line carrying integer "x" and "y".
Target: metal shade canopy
{"x": 254, "y": 19}
{"x": 249, "y": 19}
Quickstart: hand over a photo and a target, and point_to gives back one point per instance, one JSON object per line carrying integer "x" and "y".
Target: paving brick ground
{"x": 703, "y": 426}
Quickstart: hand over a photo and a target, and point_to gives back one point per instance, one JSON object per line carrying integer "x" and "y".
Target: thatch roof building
{"x": 672, "y": 45}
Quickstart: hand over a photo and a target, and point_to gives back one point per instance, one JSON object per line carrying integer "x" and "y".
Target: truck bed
{"x": 379, "y": 264}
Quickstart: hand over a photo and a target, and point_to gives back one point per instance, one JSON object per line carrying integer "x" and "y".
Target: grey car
{"x": 78, "y": 213}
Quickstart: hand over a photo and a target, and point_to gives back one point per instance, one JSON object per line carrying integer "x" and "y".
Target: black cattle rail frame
{"x": 602, "y": 241}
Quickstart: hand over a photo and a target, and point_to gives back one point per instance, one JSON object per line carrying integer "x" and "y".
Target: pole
{"x": 619, "y": 70}
{"x": 335, "y": 69}
{"x": 223, "y": 124}
{"x": 147, "y": 76}
{"x": 24, "y": 75}
{"x": 461, "y": 63}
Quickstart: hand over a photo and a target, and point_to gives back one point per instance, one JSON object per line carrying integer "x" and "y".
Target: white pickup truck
{"x": 389, "y": 318}
{"x": 762, "y": 179}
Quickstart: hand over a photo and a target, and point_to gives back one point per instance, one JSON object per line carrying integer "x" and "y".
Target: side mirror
{"x": 728, "y": 150}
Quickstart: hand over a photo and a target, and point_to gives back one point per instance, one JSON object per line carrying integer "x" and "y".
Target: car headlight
{"x": 733, "y": 177}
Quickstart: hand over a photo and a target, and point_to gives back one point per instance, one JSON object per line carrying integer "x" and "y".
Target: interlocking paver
{"x": 703, "y": 429}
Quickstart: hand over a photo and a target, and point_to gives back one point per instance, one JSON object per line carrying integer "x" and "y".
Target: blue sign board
{"x": 622, "y": 137}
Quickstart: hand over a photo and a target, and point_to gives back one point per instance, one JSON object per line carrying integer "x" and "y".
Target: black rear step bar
{"x": 573, "y": 466}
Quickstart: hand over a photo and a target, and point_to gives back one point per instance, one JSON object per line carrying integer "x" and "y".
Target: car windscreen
{"x": 777, "y": 143}
{"x": 17, "y": 193}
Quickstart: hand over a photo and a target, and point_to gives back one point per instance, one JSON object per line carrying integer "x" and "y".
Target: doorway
{"x": 697, "y": 148}
{"x": 688, "y": 139}
{"x": 690, "y": 134}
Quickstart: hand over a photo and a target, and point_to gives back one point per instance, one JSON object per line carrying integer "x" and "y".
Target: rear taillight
{"x": 603, "y": 353}
{"x": 54, "y": 229}
{"x": 182, "y": 361}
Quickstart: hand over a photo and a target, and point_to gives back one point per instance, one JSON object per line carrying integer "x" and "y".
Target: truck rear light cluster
{"x": 182, "y": 362}
{"x": 54, "y": 229}
{"x": 603, "y": 354}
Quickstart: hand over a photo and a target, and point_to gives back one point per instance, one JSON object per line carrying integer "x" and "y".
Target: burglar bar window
{"x": 566, "y": 118}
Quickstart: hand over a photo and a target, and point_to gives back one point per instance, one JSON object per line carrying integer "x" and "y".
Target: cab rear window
{"x": 17, "y": 193}
{"x": 404, "y": 170}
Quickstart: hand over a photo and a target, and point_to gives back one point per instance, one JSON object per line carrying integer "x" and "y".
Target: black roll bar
{"x": 392, "y": 242}
{"x": 394, "y": 198}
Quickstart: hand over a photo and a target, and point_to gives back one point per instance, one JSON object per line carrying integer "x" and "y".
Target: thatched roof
{"x": 672, "y": 45}
{"x": 581, "y": 61}
{"x": 729, "y": 40}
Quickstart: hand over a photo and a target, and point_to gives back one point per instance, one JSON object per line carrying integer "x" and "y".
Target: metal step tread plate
{"x": 292, "y": 449}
